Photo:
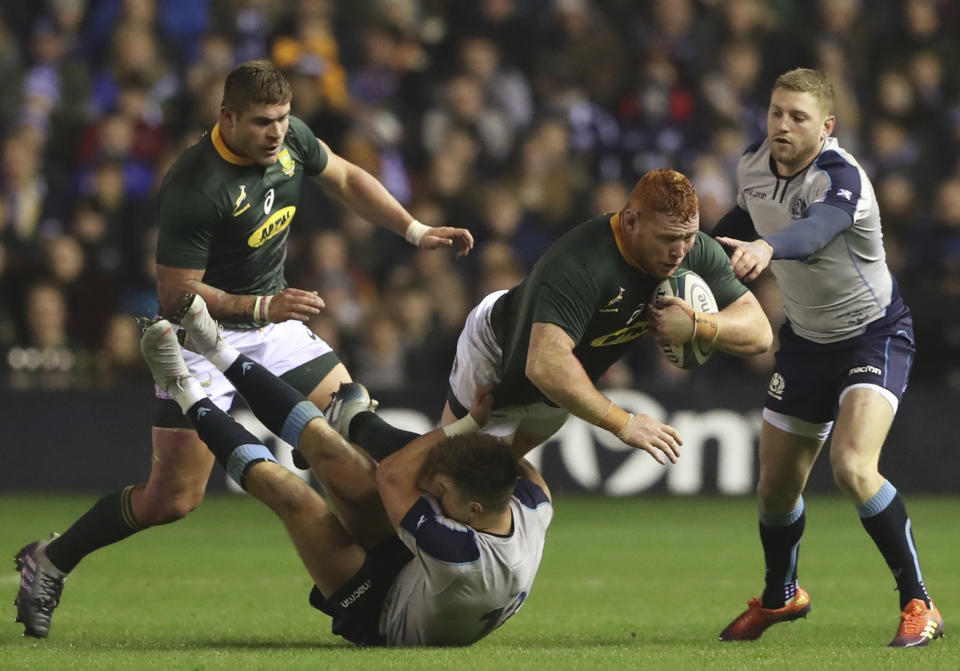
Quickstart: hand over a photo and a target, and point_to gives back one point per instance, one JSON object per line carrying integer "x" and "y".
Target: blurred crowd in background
{"x": 515, "y": 118}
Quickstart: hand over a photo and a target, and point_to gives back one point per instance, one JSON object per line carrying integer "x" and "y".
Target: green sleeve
{"x": 313, "y": 154}
{"x": 187, "y": 220}
{"x": 567, "y": 295}
{"x": 710, "y": 261}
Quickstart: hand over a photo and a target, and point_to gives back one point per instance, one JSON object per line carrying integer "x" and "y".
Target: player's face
{"x": 658, "y": 242}
{"x": 796, "y": 128}
{"x": 257, "y": 132}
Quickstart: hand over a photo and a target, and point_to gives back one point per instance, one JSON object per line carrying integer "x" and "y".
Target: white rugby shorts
{"x": 277, "y": 347}
{"x": 479, "y": 362}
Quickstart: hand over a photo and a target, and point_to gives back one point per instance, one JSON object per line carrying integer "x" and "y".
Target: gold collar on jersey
{"x": 224, "y": 150}
{"x": 618, "y": 236}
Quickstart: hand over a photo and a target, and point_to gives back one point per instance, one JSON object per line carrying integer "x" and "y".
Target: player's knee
{"x": 775, "y": 498}
{"x": 164, "y": 508}
{"x": 851, "y": 473}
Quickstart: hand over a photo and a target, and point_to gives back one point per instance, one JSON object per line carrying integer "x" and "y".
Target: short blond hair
{"x": 805, "y": 80}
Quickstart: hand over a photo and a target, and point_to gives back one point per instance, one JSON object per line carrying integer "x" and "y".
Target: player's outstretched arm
{"x": 556, "y": 371}
{"x": 363, "y": 194}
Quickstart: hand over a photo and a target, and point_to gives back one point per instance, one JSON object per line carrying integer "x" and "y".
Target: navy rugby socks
{"x": 378, "y": 438}
{"x": 885, "y": 518}
{"x": 780, "y": 535}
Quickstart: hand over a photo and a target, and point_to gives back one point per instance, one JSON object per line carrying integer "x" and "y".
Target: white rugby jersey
{"x": 463, "y": 584}
{"x": 835, "y": 292}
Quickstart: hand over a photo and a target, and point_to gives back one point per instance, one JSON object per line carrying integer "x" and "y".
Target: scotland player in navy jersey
{"x": 806, "y": 209}
{"x": 438, "y": 545}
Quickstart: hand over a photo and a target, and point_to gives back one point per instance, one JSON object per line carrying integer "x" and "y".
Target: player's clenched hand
{"x": 482, "y": 404}
{"x": 294, "y": 304}
{"x": 447, "y": 236}
{"x": 749, "y": 259}
{"x": 661, "y": 441}
{"x": 672, "y": 322}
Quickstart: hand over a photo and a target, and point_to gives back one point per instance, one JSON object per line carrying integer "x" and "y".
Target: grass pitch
{"x": 641, "y": 583}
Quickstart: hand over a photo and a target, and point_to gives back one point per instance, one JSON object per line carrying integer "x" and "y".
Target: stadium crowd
{"x": 515, "y": 118}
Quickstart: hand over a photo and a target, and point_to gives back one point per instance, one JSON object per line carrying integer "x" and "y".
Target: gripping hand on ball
{"x": 673, "y": 322}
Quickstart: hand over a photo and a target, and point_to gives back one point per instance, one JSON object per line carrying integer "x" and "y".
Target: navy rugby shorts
{"x": 809, "y": 377}
{"x": 355, "y": 607}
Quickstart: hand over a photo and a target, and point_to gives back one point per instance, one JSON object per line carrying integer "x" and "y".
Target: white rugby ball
{"x": 693, "y": 289}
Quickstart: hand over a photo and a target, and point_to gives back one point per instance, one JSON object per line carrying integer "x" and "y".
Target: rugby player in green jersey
{"x": 546, "y": 342}
{"x": 225, "y": 211}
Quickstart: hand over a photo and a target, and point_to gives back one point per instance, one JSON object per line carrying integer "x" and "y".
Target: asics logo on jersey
{"x": 237, "y": 210}
{"x": 846, "y": 194}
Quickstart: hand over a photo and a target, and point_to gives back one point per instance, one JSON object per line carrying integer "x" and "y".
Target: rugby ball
{"x": 693, "y": 289}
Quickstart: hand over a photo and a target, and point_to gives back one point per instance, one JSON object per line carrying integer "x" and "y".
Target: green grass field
{"x": 644, "y": 583}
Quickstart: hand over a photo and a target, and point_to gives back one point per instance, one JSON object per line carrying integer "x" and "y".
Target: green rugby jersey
{"x": 230, "y": 216}
{"x": 584, "y": 285}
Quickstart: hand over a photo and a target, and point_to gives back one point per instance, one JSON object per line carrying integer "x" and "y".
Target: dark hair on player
{"x": 253, "y": 83}
{"x": 666, "y": 191}
{"x": 482, "y": 466}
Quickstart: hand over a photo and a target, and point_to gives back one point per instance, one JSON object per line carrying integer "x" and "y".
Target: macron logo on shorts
{"x": 873, "y": 370}
{"x": 357, "y": 593}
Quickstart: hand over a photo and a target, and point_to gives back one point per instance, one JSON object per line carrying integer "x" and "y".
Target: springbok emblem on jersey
{"x": 237, "y": 210}
{"x": 613, "y": 301}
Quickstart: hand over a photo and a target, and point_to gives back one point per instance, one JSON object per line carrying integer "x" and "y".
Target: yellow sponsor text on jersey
{"x": 623, "y": 335}
{"x": 275, "y": 224}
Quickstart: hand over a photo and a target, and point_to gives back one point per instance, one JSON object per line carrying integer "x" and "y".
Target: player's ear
{"x": 828, "y": 125}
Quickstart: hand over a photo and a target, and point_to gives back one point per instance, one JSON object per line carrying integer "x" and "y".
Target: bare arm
{"x": 556, "y": 371}
{"x": 399, "y": 475}
{"x": 742, "y": 327}
{"x": 173, "y": 283}
{"x": 363, "y": 194}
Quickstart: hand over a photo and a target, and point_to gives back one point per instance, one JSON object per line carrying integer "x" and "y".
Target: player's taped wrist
{"x": 615, "y": 419}
{"x": 465, "y": 424}
{"x": 415, "y": 232}
{"x": 705, "y": 327}
{"x": 261, "y": 310}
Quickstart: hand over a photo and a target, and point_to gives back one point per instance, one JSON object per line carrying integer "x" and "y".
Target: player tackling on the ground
{"x": 807, "y": 209}
{"x": 438, "y": 545}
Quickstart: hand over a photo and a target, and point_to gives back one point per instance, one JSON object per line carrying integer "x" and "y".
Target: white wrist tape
{"x": 463, "y": 425}
{"x": 415, "y": 232}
